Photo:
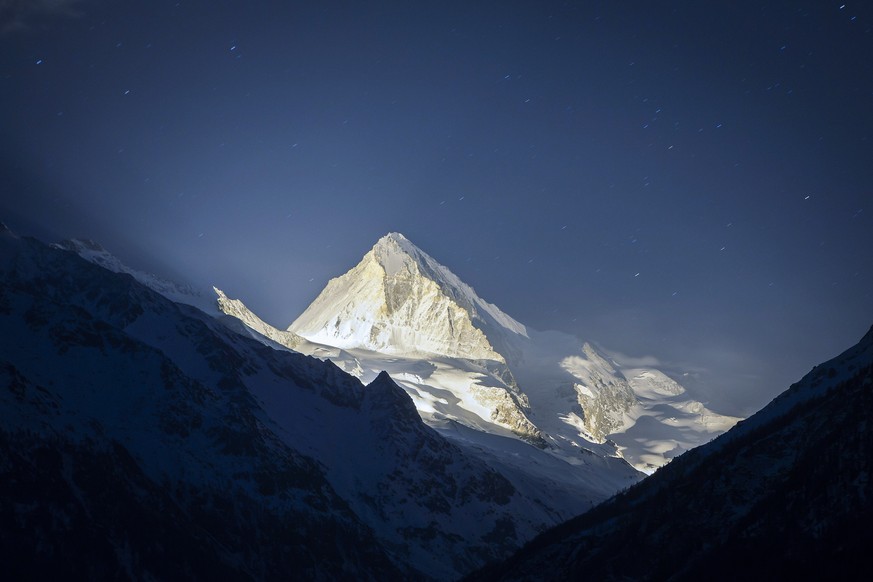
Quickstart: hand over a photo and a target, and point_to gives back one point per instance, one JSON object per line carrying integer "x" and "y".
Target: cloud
{"x": 627, "y": 361}
{"x": 16, "y": 15}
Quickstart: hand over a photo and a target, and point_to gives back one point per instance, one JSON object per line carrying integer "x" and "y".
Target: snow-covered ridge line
{"x": 235, "y": 308}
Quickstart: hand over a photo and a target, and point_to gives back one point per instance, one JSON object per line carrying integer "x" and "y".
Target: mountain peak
{"x": 399, "y": 299}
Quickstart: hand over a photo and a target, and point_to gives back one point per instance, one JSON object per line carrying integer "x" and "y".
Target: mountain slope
{"x": 118, "y": 458}
{"x": 160, "y": 440}
{"x": 784, "y": 494}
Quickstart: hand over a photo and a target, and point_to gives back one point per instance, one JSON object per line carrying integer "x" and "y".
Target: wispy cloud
{"x": 627, "y": 361}
{"x": 17, "y": 15}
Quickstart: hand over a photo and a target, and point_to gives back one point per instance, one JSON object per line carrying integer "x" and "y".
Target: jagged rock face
{"x": 388, "y": 303}
{"x": 605, "y": 397}
{"x": 507, "y": 410}
{"x": 237, "y": 309}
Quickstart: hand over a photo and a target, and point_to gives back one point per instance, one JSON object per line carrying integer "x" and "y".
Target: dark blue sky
{"x": 686, "y": 180}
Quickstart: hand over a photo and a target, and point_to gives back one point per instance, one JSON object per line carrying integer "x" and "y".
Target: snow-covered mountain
{"x": 464, "y": 360}
{"x": 143, "y": 438}
{"x": 399, "y": 300}
{"x": 784, "y": 495}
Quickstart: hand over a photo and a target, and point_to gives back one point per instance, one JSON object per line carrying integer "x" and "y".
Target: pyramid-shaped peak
{"x": 399, "y": 299}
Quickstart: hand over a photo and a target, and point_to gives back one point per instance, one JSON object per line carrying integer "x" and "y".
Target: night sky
{"x": 689, "y": 181}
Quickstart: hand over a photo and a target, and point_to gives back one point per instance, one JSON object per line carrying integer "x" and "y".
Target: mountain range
{"x": 400, "y": 428}
{"x": 468, "y": 366}
{"x": 142, "y": 438}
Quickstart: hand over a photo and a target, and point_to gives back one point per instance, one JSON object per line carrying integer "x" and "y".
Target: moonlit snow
{"x": 463, "y": 360}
